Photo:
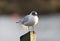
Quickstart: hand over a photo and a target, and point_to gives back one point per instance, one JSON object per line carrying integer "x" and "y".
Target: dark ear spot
{"x": 33, "y": 13}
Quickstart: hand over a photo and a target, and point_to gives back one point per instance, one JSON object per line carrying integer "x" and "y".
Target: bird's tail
{"x": 23, "y": 26}
{"x": 19, "y": 21}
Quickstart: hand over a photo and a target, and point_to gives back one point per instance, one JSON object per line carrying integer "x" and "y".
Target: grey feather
{"x": 25, "y": 19}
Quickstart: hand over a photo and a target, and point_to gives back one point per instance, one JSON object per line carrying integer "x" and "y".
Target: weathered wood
{"x": 30, "y": 36}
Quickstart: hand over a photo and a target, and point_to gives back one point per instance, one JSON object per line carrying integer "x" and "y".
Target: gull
{"x": 30, "y": 20}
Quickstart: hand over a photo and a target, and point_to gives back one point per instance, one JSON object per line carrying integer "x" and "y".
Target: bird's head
{"x": 34, "y": 13}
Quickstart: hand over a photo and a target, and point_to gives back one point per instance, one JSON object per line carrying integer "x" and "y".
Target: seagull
{"x": 30, "y": 20}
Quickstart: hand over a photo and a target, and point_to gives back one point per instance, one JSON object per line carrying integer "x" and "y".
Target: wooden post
{"x": 30, "y": 36}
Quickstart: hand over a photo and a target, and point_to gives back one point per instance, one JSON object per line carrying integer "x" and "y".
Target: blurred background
{"x": 43, "y": 7}
{"x": 48, "y": 28}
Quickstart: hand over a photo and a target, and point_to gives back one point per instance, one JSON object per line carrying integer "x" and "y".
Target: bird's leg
{"x": 33, "y": 28}
{"x": 28, "y": 28}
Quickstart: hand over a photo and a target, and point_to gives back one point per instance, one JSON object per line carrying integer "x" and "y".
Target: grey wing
{"x": 25, "y": 19}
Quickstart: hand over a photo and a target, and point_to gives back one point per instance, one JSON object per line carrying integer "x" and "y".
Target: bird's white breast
{"x": 35, "y": 20}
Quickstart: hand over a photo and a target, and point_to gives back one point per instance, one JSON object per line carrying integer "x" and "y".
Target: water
{"x": 48, "y": 29}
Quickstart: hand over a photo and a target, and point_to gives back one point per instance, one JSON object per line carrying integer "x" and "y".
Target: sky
{"x": 47, "y": 29}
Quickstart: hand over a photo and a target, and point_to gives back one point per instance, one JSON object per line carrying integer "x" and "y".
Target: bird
{"x": 30, "y": 20}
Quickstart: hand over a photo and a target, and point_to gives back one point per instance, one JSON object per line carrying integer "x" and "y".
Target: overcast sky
{"x": 48, "y": 29}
